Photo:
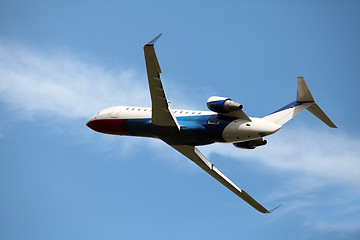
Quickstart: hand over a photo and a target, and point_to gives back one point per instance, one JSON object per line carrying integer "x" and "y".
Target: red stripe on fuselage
{"x": 109, "y": 126}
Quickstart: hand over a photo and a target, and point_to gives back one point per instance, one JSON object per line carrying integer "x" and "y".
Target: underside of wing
{"x": 197, "y": 157}
{"x": 161, "y": 111}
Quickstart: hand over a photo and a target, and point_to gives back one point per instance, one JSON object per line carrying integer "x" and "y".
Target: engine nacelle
{"x": 222, "y": 105}
{"x": 250, "y": 144}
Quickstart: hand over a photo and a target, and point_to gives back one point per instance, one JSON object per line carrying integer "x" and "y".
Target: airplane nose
{"x": 91, "y": 124}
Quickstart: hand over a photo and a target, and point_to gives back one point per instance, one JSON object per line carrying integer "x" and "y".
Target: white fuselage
{"x": 126, "y": 120}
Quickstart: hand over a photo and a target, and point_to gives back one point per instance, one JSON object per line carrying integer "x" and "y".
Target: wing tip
{"x": 152, "y": 42}
{"x": 275, "y": 208}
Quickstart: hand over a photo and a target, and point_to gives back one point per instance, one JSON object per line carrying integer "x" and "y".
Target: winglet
{"x": 199, "y": 159}
{"x": 272, "y": 210}
{"x": 152, "y": 42}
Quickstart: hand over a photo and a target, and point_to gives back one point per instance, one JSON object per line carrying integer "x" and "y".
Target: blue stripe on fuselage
{"x": 195, "y": 130}
{"x": 290, "y": 105}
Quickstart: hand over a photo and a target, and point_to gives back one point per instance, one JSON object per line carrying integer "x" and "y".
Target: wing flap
{"x": 199, "y": 159}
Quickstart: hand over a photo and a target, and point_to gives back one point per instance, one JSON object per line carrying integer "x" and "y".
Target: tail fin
{"x": 304, "y": 100}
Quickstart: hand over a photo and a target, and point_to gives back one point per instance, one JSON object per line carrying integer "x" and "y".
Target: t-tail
{"x": 303, "y": 101}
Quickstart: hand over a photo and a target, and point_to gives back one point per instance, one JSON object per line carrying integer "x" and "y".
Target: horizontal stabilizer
{"x": 316, "y": 110}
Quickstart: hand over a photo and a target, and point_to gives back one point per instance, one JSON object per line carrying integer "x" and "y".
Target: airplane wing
{"x": 161, "y": 111}
{"x": 196, "y": 156}
{"x": 238, "y": 114}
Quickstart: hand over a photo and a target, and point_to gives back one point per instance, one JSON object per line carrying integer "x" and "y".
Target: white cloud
{"x": 320, "y": 172}
{"x": 346, "y": 230}
{"x": 36, "y": 82}
{"x": 326, "y": 155}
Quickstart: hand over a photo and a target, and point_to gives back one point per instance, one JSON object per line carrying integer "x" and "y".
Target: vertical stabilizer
{"x": 303, "y": 92}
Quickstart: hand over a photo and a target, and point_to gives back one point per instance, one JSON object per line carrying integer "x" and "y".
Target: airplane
{"x": 183, "y": 130}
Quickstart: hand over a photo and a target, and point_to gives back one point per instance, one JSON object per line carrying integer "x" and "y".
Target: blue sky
{"x": 63, "y": 61}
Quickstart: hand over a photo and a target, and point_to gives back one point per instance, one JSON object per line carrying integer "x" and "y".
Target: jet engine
{"x": 222, "y": 105}
{"x": 250, "y": 144}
